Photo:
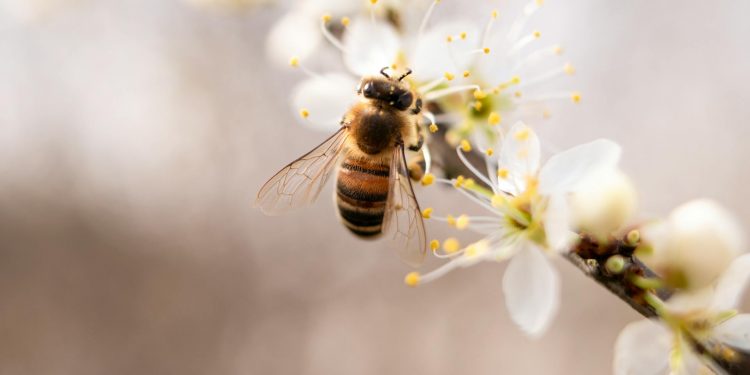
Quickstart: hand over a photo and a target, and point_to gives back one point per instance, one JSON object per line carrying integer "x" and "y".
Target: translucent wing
{"x": 403, "y": 218}
{"x": 300, "y": 182}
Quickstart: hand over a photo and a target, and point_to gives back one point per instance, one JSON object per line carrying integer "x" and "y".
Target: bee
{"x": 374, "y": 193}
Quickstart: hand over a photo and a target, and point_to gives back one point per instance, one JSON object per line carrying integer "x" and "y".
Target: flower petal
{"x": 557, "y": 222}
{"x": 642, "y": 349}
{"x": 732, "y": 284}
{"x": 519, "y": 157}
{"x": 316, "y": 8}
{"x": 532, "y": 290}
{"x": 294, "y": 35}
{"x": 735, "y": 332}
{"x": 433, "y": 56}
{"x": 325, "y": 98}
{"x": 370, "y": 46}
{"x": 565, "y": 171}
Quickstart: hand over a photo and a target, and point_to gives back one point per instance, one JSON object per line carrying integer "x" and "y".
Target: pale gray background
{"x": 134, "y": 135}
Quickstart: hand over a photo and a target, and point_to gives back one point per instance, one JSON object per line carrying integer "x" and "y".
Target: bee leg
{"x": 416, "y": 168}
{"x": 420, "y": 138}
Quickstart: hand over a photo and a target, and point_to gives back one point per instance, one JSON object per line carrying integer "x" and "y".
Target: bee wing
{"x": 300, "y": 182}
{"x": 403, "y": 218}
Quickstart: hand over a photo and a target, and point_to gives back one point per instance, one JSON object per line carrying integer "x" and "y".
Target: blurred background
{"x": 135, "y": 134}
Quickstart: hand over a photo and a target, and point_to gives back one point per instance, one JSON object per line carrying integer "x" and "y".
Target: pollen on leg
{"x": 427, "y": 213}
{"x": 412, "y": 278}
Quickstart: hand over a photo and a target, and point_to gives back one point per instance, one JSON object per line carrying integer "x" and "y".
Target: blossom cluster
{"x": 474, "y": 77}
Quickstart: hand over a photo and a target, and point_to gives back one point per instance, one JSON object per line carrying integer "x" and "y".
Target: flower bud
{"x": 604, "y": 204}
{"x": 696, "y": 244}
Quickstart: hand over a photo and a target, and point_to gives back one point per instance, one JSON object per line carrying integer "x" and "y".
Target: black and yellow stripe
{"x": 361, "y": 195}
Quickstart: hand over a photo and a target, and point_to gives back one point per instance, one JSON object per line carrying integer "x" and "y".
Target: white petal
{"x": 732, "y": 284}
{"x": 532, "y": 290}
{"x": 294, "y": 35}
{"x": 520, "y": 156}
{"x": 735, "y": 332}
{"x": 316, "y": 8}
{"x": 326, "y": 98}
{"x": 370, "y": 46}
{"x": 565, "y": 171}
{"x": 642, "y": 349}
{"x": 557, "y": 221}
{"x": 433, "y": 56}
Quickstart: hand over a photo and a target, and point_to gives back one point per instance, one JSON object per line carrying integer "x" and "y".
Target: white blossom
{"x": 693, "y": 247}
{"x": 664, "y": 347}
{"x": 604, "y": 204}
{"x": 530, "y": 218}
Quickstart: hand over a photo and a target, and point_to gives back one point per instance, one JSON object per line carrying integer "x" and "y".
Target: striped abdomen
{"x": 361, "y": 194}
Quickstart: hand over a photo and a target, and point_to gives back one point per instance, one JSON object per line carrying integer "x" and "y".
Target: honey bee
{"x": 374, "y": 194}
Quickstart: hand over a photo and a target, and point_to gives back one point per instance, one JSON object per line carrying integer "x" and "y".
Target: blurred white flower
{"x": 530, "y": 218}
{"x": 30, "y": 10}
{"x": 604, "y": 204}
{"x": 448, "y": 58}
{"x": 662, "y": 347}
{"x": 694, "y": 246}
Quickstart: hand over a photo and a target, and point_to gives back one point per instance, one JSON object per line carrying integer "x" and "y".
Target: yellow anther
{"x": 489, "y": 151}
{"x": 412, "y": 278}
{"x": 463, "y": 35}
{"x": 546, "y": 114}
{"x": 462, "y": 222}
{"x": 459, "y": 181}
{"x": 434, "y": 245}
{"x": 345, "y": 21}
{"x": 494, "y": 13}
{"x": 522, "y": 135}
{"x": 427, "y": 213}
{"x": 503, "y": 173}
{"x": 477, "y": 106}
{"x": 486, "y": 50}
{"x": 428, "y": 179}
{"x": 294, "y": 62}
{"x": 469, "y": 183}
{"x": 498, "y": 200}
{"x": 449, "y": 76}
{"x": 569, "y": 69}
{"x": 466, "y": 73}
{"x": 451, "y": 245}
{"x": 465, "y": 145}
{"x": 326, "y": 18}
{"x": 496, "y": 90}
{"x": 304, "y": 113}
{"x": 575, "y": 97}
{"x": 451, "y": 220}
{"x": 537, "y": 34}
{"x": 515, "y": 80}
{"x": 479, "y": 94}
{"x": 539, "y": 2}
{"x": 433, "y": 128}
{"x": 558, "y": 50}
{"x": 373, "y": 2}
{"x": 517, "y": 94}
{"x": 494, "y": 118}
{"x": 449, "y": 38}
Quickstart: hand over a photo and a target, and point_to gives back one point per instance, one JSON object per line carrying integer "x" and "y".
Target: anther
{"x": 575, "y": 97}
{"x": 486, "y": 50}
{"x": 558, "y": 50}
{"x": 304, "y": 113}
{"x": 294, "y": 62}
{"x": 537, "y": 34}
{"x": 345, "y": 21}
{"x": 326, "y": 18}
{"x": 433, "y": 128}
{"x": 451, "y": 245}
{"x": 479, "y": 94}
{"x": 434, "y": 245}
{"x": 412, "y": 278}
{"x": 489, "y": 151}
{"x": 463, "y": 35}
{"x": 428, "y": 179}
{"x": 498, "y": 200}
{"x": 494, "y": 118}
{"x": 569, "y": 69}
{"x": 459, "y": 181}
{"x": 465, "y": 145}
{"x": 427, "y": 213}
{"x": 503, "y": 173}
{"x": 466, "y": 73}
{"x": 449, "y": 76}
{"x": 462, "y": 222}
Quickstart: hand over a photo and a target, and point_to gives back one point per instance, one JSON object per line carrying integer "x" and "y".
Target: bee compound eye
{"x": 405, "y": 100}
{"x": 368, "y": 90}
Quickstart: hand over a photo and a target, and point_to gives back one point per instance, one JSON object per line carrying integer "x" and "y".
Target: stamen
{"x": 434, "y": 245}
{"x": 426, "y": 18}
{"x": 327, "y": 34}
{"x": 488, "y": 29}
{"x": 471, "y": 167}
{"x": 412, "y": 278}
{"x": 494, "y": 118}
{"x": 450, "y": 90}
{"x": 575, "y": 96}
{"x": 451, "y": 245}
{"x": 538, "y": 55}
{"x": 523, "y": 42}
{"x": 431, "y": 85}
{"x": 427, "y": 159}
{"x": 427, "y": 179}
{"x": 427, "y": 212}
{"x": 304, "y": 113}
{"x": 465, "y": 145}
{"x": 520, "y": 22}
{"x": 462, "y": 222}
{"x": 295, "y": 63}
{"x": 565, "y": 69}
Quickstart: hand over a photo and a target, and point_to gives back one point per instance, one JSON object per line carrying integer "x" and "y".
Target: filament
{"x": 450, "y": 90}
{"x": 331, "y": 39}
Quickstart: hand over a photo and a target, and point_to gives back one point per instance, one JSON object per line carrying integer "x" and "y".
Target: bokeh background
{"x": 135, "y": 134}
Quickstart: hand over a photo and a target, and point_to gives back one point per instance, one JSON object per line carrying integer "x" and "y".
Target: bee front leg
{"x": 420, "y": 138}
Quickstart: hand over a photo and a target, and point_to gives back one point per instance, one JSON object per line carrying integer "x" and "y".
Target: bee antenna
{"x": 408, "y": 71}
{"x": 382, "y": 71}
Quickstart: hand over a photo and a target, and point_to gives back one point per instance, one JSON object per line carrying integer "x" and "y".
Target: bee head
{"x": 389, "y": 90}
